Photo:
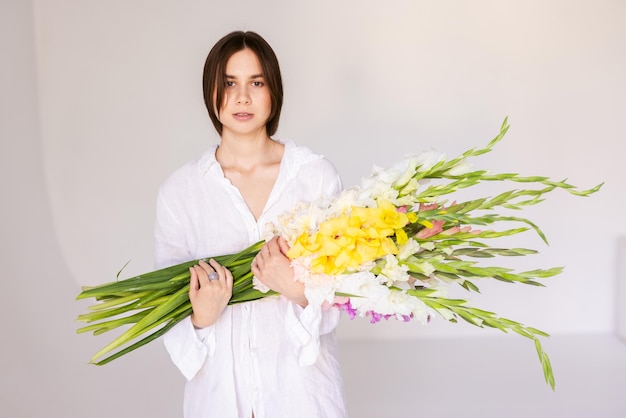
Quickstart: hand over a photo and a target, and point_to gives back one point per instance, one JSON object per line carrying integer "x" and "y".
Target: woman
{"x": 275, "y": 357}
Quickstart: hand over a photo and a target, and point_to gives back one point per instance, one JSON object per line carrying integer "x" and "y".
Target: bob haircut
{"x": 214, "y": 77}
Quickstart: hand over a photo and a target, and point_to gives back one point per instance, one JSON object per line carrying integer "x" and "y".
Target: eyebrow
{"x": 252, "y": 76}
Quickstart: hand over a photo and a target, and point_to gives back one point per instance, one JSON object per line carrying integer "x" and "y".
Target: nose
{"x": 243, "y": 97}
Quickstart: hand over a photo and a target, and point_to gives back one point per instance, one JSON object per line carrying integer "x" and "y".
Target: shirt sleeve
{"x": 170, "y": 244}
{"x": 306, "y": 325}
{"x": 332, "y": 184}
{"x": 189, "y": 347}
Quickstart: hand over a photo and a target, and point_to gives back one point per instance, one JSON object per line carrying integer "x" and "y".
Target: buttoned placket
{"x": 253, "y": 356}
{"x": 249, "y": 359}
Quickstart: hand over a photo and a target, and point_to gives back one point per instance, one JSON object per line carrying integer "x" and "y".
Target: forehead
{"x": 243, "y": 63}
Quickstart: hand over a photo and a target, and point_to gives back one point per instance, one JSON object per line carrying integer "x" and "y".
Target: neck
{"x": 238, "y": 151}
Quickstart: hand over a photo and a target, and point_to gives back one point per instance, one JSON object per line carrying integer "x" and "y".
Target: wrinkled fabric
{"x": 271, "y": 356}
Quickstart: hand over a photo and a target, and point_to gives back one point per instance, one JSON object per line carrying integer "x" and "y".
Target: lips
{"x": 243, "y": 115}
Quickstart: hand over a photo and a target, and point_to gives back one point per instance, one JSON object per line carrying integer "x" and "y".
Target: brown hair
{"x": 214, "y": 77}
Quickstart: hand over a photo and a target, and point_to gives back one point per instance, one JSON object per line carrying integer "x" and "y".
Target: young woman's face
{"x": 247, "y": 103}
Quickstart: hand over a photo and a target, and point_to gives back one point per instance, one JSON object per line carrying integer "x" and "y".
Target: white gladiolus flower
{"x": 408, "y": 201}
{"x": 319, "y": 288}
{"x": 387, "y": 175}
{"x": 397, "y": 302}
{"x": 365, "y": 200}
{"x": 303, "y": 218}
{"x": 393, "y": 271}
{"x": 411, "y": 186}
{"x": 408, "y": 249}
{"x": 259, "y": 285}
{"x": 426, "y": 268}
{"x": 428, "y": 159}
{"x": 269, "y": 231}
{"x": 345, "y": 200}
{"x": 390, "y": 195}
{"x": 423, "y": 313}
{"x": 439, "y": 287}
{"x": 461, "y": 168}
{"x": 408, "y": 171}
{"x": 365, "y": 286}
{"x": 376, "y": 190}
{"x": 366, "y": 266}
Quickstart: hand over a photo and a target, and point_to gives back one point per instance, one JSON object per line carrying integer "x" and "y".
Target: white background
{"x": 100, "y": 101}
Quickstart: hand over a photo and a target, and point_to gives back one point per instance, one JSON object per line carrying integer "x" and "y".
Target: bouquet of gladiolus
{"x": 390, "y": 248}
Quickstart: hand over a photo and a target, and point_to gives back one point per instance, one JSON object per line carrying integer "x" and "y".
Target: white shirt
{"x": 270, "y": 356}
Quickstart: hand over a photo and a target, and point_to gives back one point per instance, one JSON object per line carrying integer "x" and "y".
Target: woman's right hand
{"x": 209, "y": 297}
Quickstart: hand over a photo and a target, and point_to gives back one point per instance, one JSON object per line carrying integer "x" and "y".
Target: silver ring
{"x": 213, "y": 276}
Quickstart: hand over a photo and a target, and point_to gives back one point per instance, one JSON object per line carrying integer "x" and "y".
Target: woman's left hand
{"x": 272, "y": 267}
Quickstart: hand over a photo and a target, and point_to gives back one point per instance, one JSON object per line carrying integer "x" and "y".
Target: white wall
{"x": 620, "y": 293}
{"x": 101, "y": 100}
{"x": 43, "y": 363}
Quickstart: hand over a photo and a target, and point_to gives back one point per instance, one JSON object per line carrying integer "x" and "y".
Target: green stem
{"x": 481, "y": 318}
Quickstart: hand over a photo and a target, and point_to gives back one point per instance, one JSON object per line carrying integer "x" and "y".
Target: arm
{"x": 304, "y": 323}
{"x": 272, "y": 267}
{"x": 209, "y": 297}
{"x": 193, "y": 339}
{"x": 170, "y": 243}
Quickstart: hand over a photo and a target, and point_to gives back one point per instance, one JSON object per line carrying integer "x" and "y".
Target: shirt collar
{"x": 207, "y": 161}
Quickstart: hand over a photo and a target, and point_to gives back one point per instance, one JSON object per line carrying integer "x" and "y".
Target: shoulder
{"x": 188, "y": 175}
{"x": 303, "y": 158}
{"x": 312, "y": 169}
{"x": 178, "y": 179}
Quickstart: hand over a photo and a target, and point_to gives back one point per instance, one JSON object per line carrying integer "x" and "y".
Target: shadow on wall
{"x": 43, "y": 358}
{"x": 44, "y": 362}
{"x": 620, "y": 289}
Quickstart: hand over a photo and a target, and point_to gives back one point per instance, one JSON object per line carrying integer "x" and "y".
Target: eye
{"x": 229, "y": 83}
{"x": 258, "y": 83}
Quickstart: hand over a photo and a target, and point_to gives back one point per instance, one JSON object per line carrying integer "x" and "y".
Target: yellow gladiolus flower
{"x": 401, "y": 237}
{"x": 354, "y": 238}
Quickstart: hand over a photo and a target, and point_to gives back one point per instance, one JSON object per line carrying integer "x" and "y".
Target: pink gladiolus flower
{"x": 429, "y": 232}
{"x": 451, "y": 231}
{"x": 375, "y": 317}
{"x": 341, "y": 300}
{"x": 457, "y": 229}
{"x": 428, "y": 206}
{"x": 347, "y": 308}
{"x": 407, "y": 318}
